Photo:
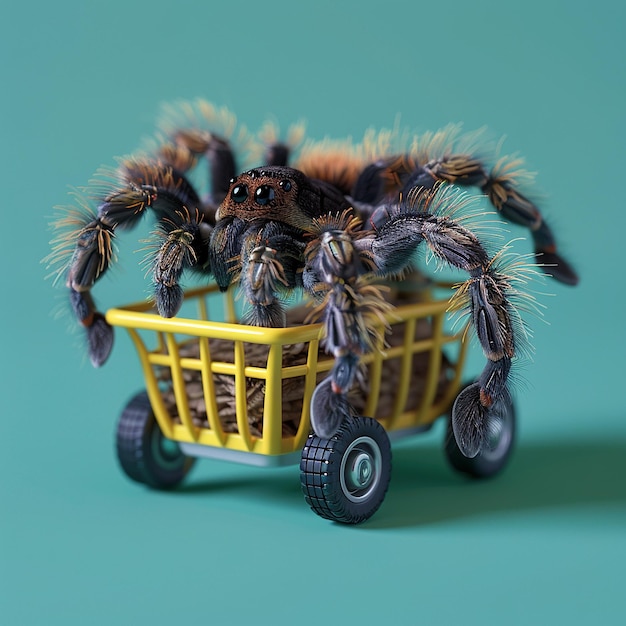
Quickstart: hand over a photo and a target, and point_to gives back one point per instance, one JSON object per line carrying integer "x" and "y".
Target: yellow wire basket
{"x": 164, "y": 349}
{"x": 243, "y": 393}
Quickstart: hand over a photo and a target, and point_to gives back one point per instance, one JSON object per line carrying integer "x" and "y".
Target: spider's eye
{"x": 264, "y": 194}
{"x": 239, "y": 193}
{"x": 285, "y": 185}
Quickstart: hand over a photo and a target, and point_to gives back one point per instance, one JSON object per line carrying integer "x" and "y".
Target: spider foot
{"x": 469, "y": 421}
{"x": 168, "y": 298}
{"x": 547, "y": 256}
{"x": 100, "y": 340}
{"x": 99, "y": 332}
{"x": 475, "y": 426}
{"x": 181, "y": 248}
{"x": 329, "y": 409}
{"x": 556, "y": 266}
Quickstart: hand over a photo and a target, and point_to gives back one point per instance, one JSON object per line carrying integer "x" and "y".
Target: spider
{"x": 333, "y": 226}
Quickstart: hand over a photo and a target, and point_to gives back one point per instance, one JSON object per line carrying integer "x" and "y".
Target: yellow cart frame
{"x": 158, "y": 342}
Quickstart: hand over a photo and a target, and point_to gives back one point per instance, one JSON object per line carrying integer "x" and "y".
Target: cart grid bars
{"x": 170, "y": 334}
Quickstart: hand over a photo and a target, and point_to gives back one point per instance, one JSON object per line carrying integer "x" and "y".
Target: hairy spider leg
{"x": 405, "y": 173}
{"x": 269, "y": 263}
{"x": 277, "y": 154}
{"x": 487, "y": 293}
{"x": 219, "y": 156}
{"x": 139, "y": 185}
{"x": 184, "y": 245}
{"x": 499, "y": 187}
{"x": 264, "y": 257}
{"x": 335, "y": 275}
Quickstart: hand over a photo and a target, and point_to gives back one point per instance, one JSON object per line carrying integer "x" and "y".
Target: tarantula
{"x": 332, "y": 227}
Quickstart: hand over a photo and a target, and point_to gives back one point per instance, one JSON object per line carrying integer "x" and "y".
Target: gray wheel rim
{"x": 165, "y": 452}
{"x": 361, "y": 467}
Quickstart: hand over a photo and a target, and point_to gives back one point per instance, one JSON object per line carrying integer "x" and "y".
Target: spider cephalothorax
{"x": 274, "y": 228}
{"x": 280, "y": 194}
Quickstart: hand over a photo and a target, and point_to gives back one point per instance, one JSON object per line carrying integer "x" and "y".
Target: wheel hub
{"x": 166, "y": 451}
{"x": 360, "y": 469}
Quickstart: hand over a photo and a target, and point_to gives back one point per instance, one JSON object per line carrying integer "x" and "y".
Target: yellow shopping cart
{"x": 230, "y": 391}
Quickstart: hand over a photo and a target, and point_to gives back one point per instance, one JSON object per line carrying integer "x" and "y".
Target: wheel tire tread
{"x": 133, "y": 432}
{"x": 319, "y": 471}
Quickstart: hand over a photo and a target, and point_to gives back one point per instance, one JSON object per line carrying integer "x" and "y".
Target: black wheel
{"x": 500, "y": 445}
{"x": 345, "y": 478}
{"x": 145, "y": 455}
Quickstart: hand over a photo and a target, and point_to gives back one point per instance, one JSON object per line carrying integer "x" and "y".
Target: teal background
{"x": 544, "y": 543}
